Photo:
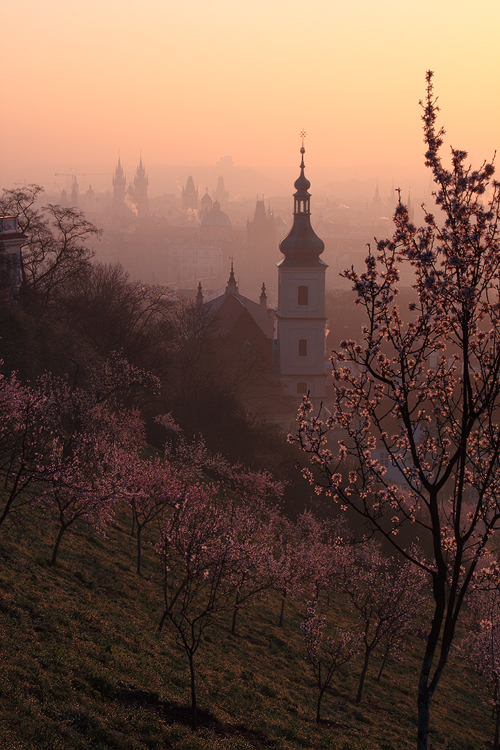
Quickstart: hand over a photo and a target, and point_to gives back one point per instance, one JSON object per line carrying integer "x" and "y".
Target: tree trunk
{"x": 282, "y": 613}
{"x": 497, "y": 728}
{"x": 384, "y": 660}
{"x": 424, "y": 712}
{"x": 194, "y": 716}
{"x": 62, "y": 529}
{"x": 12, "y": 495}
{"x": 425, "y": 689}
{"x": 363, "y": 675}
{"x": 162, "y": 621}
{"x": 139, "y": 529}
{"x": 318, "y": 705}
{"x": 235, "y": 614}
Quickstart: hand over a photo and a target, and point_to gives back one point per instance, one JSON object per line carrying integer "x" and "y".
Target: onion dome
{"x": 302, "y": 246}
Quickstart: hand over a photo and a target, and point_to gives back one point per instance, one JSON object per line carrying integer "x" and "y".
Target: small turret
{"x": 232, "y": 286}
{"x": 199, "y": 296}
{"x": 263, "y": 296}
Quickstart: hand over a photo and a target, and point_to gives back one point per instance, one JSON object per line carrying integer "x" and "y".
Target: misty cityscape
{"x": 249, "y": 376}
{"x": 186, "y": 231}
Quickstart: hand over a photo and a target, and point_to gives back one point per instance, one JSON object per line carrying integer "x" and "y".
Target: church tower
{"x": 301, "y": 301}
{"x": 190, "y": 195}
{"x": 119, "y": 185}
{"x": 141, "y": 190}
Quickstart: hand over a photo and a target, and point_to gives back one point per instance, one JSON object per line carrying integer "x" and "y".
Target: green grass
{"x": 83, "y": 666}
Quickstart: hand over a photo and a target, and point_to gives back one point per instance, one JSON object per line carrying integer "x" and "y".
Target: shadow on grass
{"x": 175, "y": 713}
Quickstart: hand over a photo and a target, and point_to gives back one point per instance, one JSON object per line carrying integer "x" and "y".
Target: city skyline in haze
{"x": 187, "y": 84}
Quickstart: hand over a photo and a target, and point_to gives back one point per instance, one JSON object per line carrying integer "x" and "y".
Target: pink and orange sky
{"x": 186, "y": 83}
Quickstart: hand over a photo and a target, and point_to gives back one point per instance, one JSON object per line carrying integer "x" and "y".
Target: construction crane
{"x": 80, "y": 174}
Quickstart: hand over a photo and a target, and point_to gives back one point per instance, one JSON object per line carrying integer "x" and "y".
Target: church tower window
{"x": 302, "y": 347}
{"x": 303, "y": 295}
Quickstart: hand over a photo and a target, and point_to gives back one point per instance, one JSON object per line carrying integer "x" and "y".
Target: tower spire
{"x": 302, "y": 245}
{"x": 232, "y": 286}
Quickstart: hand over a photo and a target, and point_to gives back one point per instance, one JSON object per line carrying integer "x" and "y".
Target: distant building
{"x": 244, "y": 330}
{"x": 119, "y": 185}
{"x": 261, "y": 314}
{"x": 221, "y": 194}
{"x": 194, "y": 261}
{"x": 11, "y": 242}
{"x": 74, "y": 193}
{"x": 141, "y": 191}
{"x": 205, "y": 205}
{"x": 216, "y": 225}
{"x": 190, "y": 195}
{"x": 262, "y": 248}
{"x": 301, "y": 302}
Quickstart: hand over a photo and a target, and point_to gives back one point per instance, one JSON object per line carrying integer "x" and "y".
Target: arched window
{"x": 302, "y": 347}
{"x": 303, "y": 295}
{"x": 301, "y": 389}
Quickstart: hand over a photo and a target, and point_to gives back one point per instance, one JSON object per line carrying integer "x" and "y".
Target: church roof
{"x": 263, "y": 316}
{"x": 215, "y": 217}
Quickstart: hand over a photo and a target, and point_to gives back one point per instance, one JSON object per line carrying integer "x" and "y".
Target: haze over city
{"x": 187, "y": 83}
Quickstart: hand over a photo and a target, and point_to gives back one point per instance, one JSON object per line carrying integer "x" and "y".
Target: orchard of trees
{"x": 114, "y": 401}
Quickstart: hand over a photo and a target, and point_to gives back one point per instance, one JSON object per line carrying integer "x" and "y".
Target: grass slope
{"x": 83, "y": 666}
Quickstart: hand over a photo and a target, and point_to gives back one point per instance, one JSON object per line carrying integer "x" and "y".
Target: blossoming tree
{"x": 195, "y": 549}
{"x": 326, "y": 655}
{"x": 423, "y": 387}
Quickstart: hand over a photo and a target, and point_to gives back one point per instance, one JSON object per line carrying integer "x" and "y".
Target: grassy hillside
{"x": 83, "y": 666}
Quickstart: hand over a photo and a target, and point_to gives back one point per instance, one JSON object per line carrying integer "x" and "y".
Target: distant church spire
{"x": 263, "y": 296}
{"x": 119, "y": 183}
{"x": 232, "y": 286}
{"x": 190, "y": 195}
{"x": 199, "y": 296}
{"x": 411, "y": 210}
{"x": 141, "y": 189}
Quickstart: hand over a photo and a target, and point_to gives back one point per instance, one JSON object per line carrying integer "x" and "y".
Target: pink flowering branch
{"x": 422, "y": 386}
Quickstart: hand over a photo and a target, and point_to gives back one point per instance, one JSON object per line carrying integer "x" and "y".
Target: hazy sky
{"x": 193, "y": 81}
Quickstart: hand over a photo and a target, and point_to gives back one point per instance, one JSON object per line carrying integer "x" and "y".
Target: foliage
{"x": 56, "y": 250}
{"x": 387, "y": 598}
{"x": 196, "y": 551}
{"x": 482, "y": 645}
